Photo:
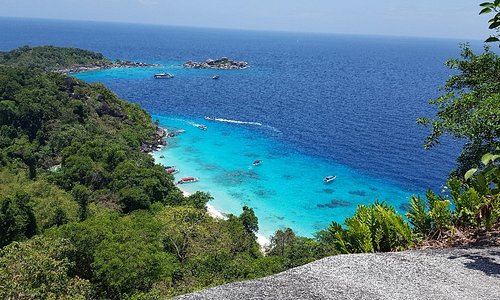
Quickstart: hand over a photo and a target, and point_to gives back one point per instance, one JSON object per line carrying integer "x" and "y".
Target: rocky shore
{"x": 223, "y": 63}
{"x": 156, "y": 142}
{"x": 104, "y": 66}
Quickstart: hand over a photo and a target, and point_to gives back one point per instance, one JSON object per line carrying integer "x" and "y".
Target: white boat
{"x": 187, "y": 180}
{"x": 209, "y": 118}
{"x": 163, "y": 76}
{"x": 202, "y": 127}
{"x": 329, "y": 179}
{"x": 257, "y": 162}
{"x": 215, "y": 77}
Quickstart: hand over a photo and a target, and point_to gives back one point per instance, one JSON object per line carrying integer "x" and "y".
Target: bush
{"x": 374, "y": 228}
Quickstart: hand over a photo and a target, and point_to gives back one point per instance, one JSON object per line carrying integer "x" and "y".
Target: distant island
{"x": 223, "y": 63}
{"x": 62, "y": 60}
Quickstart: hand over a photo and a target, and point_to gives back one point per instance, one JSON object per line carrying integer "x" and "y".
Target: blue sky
{"x": 426, "y": 18}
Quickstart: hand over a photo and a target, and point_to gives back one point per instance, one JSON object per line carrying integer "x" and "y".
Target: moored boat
{"x": 163, "y": 76}
{"x": 257, "y": 162}
{"x": 172, "y": 171}
{"x": 329, "y": 179}
{"x": 187, "y": 180}
{"x": 215, "y": 77}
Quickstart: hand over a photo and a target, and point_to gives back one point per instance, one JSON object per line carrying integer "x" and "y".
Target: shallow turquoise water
{"x": 287, "y": 190}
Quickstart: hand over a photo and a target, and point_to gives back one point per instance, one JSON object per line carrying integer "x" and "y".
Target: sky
{"x": 423, "y": 18}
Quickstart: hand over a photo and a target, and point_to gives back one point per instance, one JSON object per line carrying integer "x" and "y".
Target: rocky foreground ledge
{"x": 103, "y": 66}
{"x": 472, "y": 273}
{"x": 223, "y": 63}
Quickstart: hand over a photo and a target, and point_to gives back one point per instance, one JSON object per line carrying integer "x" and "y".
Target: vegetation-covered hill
{"x": 51, "y": 58}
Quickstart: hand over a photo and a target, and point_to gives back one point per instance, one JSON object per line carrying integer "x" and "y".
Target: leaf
{"x": 487, "y": 4}
{"x": 486, "y": 10}
{"x": 492, "y": 39}
{"x": 486, "y": 158}
{"x": 495, "y": 24}
{"x": 469, "y": 173}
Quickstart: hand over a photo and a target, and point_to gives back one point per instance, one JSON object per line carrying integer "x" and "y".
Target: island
{"x": 63, "y": 60}
{"x": 223, "y": 63}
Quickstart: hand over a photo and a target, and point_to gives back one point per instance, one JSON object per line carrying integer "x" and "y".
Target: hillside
{"x": 469, "y": 273}
{"x": 51, "y": 58}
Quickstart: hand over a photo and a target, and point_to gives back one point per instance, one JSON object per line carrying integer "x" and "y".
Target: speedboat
{"x": 329, "y": 179}
{"x": 215, "y": 77}
{"x": 257, "y": 162}
{"x": 202, "y": 127}
{"x": 162, "y": 156}
{"x": 187, "y": 180}
{"x": 172, "y": 171}
{"x": 163, "y": 76}
{"x": 209, "y": 118}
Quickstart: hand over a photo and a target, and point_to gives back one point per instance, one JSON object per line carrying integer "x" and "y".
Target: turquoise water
{"x": 287, "y": 190}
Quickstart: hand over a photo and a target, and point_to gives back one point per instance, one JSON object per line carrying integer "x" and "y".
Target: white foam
{"x": 237, "y": 122}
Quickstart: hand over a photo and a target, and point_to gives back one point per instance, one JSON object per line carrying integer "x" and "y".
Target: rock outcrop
{"x": 472, "y": 273}
{"x": 223, "y": 63}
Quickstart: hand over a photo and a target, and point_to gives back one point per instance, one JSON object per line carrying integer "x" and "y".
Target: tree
{"x": 39, "y": 269}
{"x": 249, "y": 220}
{"x": 17, "y": 221}
{"x": 492, "y": 7}
{"x": 470, "y": 109}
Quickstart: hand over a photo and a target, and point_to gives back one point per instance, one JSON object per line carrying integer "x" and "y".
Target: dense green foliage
{"x": 374, "y": 228}
{"x": 50, "y": 58}
{"x": 470, "y": 109}
{"x": 476, "y": 203}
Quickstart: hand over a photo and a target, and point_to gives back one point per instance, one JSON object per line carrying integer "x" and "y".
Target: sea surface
{"x": 310, "y": 105}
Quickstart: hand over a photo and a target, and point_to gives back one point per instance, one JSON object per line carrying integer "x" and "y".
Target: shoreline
{"x": 216, "y": 214}
{"x": 104, "y": 66}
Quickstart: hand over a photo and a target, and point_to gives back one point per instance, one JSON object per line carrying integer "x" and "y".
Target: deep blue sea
{"x": 310, "y": 105}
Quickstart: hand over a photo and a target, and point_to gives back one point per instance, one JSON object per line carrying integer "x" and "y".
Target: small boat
{"x": 180, "y": 131}
{"x": 169, "y": 167}
{"x": 172, "y": 171}
{"x": 163, "y": 76}
{"x": 215, "y": 77}
{"x": 209, "y": 118}
{"x": 257, "y": 162}
{"x": 202, "y": 127}
{"x": 162, "y": 156}
{"x": 329, "y": 179}
{"x": 187, "y": 180}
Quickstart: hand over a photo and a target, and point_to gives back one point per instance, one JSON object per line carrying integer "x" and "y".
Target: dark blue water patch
{"x": 328, "y": 191}
{"x": 334, "y": 203}
{"x": 358, "y": 193}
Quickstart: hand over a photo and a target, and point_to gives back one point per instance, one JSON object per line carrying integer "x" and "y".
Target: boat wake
{"x": 236, "y": 121}
{"x": 244, "y": 123}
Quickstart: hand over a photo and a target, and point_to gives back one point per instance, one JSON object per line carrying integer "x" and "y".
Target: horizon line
{"x": 464, "y": 40}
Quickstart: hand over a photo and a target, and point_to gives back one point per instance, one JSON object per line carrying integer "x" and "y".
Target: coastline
{"x": 104, "y": 66}
{"x": 216, "y": 214}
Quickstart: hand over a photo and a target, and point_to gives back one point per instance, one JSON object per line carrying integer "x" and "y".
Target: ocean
{"x": 310, "y": 105}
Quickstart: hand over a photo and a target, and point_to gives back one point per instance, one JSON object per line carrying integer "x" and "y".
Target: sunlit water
{"x": 315, "y": 105}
